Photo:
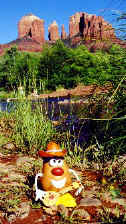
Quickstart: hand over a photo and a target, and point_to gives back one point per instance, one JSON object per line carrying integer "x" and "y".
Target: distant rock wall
{"x": 90, "y": 27}
{"x": 83, "y": 28}
{"x": 81, "y": 25}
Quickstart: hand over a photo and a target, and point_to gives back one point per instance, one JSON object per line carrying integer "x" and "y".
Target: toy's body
{"x": 55, "y": 176}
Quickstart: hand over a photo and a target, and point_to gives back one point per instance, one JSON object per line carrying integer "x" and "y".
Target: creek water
{"x": 54, "y": 107}
{"x": 6, "y": 106}
{"x": 77, "y": 117}
{"x": 72, "y": 115}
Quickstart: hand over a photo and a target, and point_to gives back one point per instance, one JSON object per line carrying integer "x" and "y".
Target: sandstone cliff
{"x": 89, "y": 27}
{"x": 91, "y": 30}
{"x": 32, "y": 27}
{"x": 63, "y": 33}
{"x": 53, "y": 31}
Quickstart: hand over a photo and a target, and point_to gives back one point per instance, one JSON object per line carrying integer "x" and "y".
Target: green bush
{"x": 60, "y": 65}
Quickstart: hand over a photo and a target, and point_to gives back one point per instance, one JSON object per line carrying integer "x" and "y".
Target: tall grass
{"x": 32, "y": 128}
{"x": 5, "y": 95}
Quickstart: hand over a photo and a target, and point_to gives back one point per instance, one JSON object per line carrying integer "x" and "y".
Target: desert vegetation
{"x": 94, "y": 144}
{"x": 59, "y": 66}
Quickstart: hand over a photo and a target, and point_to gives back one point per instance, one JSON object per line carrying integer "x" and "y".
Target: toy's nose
{"x": 57, "y": 171}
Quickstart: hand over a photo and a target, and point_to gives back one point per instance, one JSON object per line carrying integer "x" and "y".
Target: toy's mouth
{"x": 57, "y": 171}
{"x": 59, "y": 183}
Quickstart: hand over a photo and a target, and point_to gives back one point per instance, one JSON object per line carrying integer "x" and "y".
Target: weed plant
{"x": 107, "y": 140}
{"x": 5, "y": 94}
{"x": 32, "y": 128}
{"x": 109, "y": 134}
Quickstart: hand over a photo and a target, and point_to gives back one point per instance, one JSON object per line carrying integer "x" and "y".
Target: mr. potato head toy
{"x": 56, "y": 178}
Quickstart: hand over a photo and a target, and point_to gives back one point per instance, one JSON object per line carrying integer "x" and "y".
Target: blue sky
{"x": 11, "y": 12}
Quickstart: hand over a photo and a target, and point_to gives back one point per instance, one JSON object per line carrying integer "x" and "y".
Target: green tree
{"x": 8, "y": 67}
{"x": 54, "y": 64}
{"x": 19, "y": 68}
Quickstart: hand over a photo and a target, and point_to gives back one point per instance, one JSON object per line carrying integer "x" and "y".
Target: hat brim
{"x": 52, "y": 154}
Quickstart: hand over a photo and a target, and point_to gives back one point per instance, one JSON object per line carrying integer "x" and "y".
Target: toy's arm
{"x": 78, "y": 179}
{"x": 40, "y": 194}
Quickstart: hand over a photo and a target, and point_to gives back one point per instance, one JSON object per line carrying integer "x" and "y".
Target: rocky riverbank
{"x": 102, "y": 200}
{"x": 80, "y": 90}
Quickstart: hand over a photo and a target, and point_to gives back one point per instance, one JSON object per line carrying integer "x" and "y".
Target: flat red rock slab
{"x": 36, "y": 216}
{"x": 9, "y": 159}
{"x": 91, "y": 175}
{"x": 3, "y": 221}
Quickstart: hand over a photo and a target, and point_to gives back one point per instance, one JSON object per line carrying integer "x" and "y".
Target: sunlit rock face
{"x": 63, "y": 33}
{"x": 32, "y": 27}
{"x": 53, "y": 32}
{"x": 91, "y": 30}
{"x": 90, "y": 27}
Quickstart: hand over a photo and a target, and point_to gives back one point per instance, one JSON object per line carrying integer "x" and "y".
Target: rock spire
{"x": 53, "y": 31}
{"x": 32, "y": 27}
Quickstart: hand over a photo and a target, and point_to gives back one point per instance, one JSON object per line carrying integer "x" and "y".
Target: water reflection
{"x": 64, "y": 111}
{"x": 53, "y": 107}
{"x": 76, "y": 118}
{"x": 6, "y": 106}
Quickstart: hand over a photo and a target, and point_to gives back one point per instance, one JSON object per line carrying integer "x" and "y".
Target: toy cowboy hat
{"x": 53, "y": 149}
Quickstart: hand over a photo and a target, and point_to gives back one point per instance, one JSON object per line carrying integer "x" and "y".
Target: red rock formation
{"x": 90, "y": 27}
{"x": 63, "y": 33}
{"x": 32, "y": 27}
{"x": 37, "y": 30}
{"x": 53, "y": 31}
{"x": 23, "y": 44}
{"x": 74, "y": 25}
{"x": 90, "y": 30}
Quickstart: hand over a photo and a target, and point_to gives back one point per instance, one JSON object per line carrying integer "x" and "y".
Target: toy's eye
{"x": 59, "y": 162}
{"x": 53, "y": 162}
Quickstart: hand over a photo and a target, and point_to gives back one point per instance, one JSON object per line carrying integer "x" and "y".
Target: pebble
{"x": 9, "y": 146}
{"x": 81, "y": 213}
{"x": 11, "y": 218}
{"x": 24, "y": 210}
